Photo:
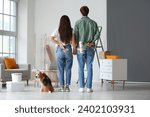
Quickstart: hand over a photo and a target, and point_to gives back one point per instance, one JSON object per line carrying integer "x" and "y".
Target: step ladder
{"x": 98, "y": 44}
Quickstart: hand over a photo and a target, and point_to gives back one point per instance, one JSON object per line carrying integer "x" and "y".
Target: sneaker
{"x": 81, "y": 90}
{"x": 67, "y": 88}
{"x": 89, "y": 90}
{"x": 61, "y": 89}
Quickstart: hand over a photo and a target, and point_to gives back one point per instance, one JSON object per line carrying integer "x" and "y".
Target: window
{"x": 8, "y": 27}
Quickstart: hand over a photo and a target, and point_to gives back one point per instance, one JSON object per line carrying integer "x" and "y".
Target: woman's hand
{"x": 61, "y": 45}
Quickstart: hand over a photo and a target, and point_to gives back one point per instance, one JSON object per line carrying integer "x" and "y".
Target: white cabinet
{"x": 113, "y": 69}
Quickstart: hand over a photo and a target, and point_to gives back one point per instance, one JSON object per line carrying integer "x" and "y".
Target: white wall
{"x": 48, "y": 13}
{"x": 22, "y": 32}
{"x": 26, "y": 38}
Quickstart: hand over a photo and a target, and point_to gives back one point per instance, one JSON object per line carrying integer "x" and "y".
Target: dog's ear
{"x": 43, "y": 73}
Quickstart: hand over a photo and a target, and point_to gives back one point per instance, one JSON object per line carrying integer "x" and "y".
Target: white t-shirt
{"x": 57, "y": 35}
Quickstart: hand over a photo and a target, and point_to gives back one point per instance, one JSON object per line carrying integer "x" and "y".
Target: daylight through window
{"x": 8, "y": 30}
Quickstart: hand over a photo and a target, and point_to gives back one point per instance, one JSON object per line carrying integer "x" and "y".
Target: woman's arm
{"x": 53, "y": 39}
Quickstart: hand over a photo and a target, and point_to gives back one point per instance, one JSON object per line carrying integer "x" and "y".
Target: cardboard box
{"x": 102, "y": 54}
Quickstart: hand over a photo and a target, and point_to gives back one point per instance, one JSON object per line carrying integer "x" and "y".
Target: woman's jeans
{"x": 86, "y": 57}
{"x": 64, "y": 61}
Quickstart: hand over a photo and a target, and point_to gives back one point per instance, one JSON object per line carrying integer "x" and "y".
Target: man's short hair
{"x": 84, "y": 10}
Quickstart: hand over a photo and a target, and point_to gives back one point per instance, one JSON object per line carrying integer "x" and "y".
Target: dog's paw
{"x": 41, "y": 90}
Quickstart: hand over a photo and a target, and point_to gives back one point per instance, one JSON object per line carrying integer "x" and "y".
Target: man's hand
{"x": 90, "y": 44}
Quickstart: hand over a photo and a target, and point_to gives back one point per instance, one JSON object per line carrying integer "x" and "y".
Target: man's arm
{"x": 76, "y": 33}
{"x": 97, "y": 34}
{"x": 73, "y": 43}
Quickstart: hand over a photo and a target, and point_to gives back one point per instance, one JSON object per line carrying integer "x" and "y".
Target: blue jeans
{"x": 87, "y": 58}
{"x": 64, "y": 63}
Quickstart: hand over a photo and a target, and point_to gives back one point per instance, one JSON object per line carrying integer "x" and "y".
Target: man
{"x": 86, "y": 33}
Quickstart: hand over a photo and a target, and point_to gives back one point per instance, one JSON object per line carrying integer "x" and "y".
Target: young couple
{"x": 69, "y": 42}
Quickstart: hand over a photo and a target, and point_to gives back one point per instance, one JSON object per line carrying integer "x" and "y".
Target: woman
{"x": 63, "y": 37}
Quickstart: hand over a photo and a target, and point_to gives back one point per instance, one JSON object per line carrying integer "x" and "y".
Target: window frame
{"x": 9, "y": 33}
